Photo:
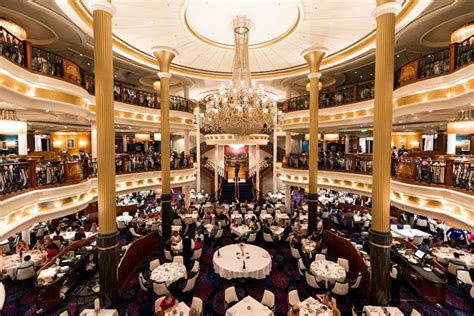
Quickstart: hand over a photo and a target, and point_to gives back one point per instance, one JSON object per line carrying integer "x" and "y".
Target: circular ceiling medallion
{"x": 210, "y": 21}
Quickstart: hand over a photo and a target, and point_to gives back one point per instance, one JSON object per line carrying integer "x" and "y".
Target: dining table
{"x": 328, "y": 271}
{"x": 249, "y": 306}
{"x": 168, "y": 272}
{"x": 312, "y": 306}
{"x": 371, "y": 310}
{"x": 9, "y": 264}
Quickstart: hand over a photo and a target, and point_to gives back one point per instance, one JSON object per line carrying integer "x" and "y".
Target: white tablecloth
{"x": 124, "y": 218}
{"x": 381, "y": 311}
{"x": 69, "y": 236}
{"x": 409, "y": 233}
{"x": 312, "y": 306}
{"x": 102, "y": 312}
{"x": 168, "y": 272}
{"x": 239, "y": 230}
{"x": 276, "y": 230}
{"x": 328, "y": 271}
{"x": 444, "y": 254}
{"x": 229, "y": 265}
{"x": 182, "y": 307}
{"x": 249, "y": 306}
{"x": 194, "y": 216}
{"x": 10, "y": 263}
{"x": 307, "y": 245}
{"x": 282, "y": 216}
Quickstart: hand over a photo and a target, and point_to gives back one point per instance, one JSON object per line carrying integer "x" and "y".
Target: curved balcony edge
{"x": 23, "y": 210}
{"x": 451, "y": 205}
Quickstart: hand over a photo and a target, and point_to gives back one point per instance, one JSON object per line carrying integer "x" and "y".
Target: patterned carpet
{"x": 21, "y": 298}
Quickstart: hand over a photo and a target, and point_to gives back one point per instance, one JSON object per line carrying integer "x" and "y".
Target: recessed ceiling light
{"x": 47, "y": 110}
{"x": 80, "y": 55}
{"x": 272, "y": 55}
{"x": 118, "y": 125}
{"x": 65, "y": 126}
{"x": 430, "y": 111}
{"x": 207, "y": 55}
{"x": 361, "y": 76}
{"x": 412, "y": 113}
{"x": 304, "y": 45}
{"x": 398, "y": 56}
{"x": 88, "y": 64}
{"x": 371, "y": 74}
{"x": 330, "y": 23}
{"x": 175, "y": 44}
{"x": 151, "y": 22}
{"x": 355, "y": 72}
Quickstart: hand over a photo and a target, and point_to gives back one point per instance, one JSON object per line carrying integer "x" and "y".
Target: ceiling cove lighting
{"x": 11, "y": 124}
{"x": 463, "y": 125}
{"x": 241, "y": 108}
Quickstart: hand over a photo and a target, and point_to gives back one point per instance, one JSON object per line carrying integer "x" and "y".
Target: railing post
{"x": 28, "y": 55}
{"x": 32, "y": 172}
{"x": 452, "y": 56}
{"x": 122, "y": 90}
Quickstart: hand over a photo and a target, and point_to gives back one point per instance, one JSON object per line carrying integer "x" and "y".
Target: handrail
{"x": 445, "y": 61}
{"x": 49, "y": 64}
{"x": 445, "y": 171}
{"x": 16, "y": 177}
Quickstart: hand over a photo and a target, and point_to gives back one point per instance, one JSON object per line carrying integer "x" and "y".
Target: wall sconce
{"x": 57, "y": 144}
{"x": 82, "y": 143}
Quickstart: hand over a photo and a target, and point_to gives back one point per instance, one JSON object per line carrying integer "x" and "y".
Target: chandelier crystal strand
{"x": 240, "y": 108}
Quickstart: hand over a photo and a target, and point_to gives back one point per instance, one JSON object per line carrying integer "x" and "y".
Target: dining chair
{"x": 268, "y": 299}
{"x": 340, "y": 288}
{"x": 197, "y": 253}
{"x": 154, "y": 264}
{"x": 311, "y": 280}
{"x": 356, "y": 284}
{"x": 142, "y": 282}
{"x": 230, "y": 296}
{"x": 219, "y": 233}
{"x": 197, "y": 305}
{"x": 252, "y": 237}
{"x": 463, "y": 278}
{"x": 453, "y": 267}
{"x": 295, "y": 253}
{"x": 168, "y": 255}
{"x": 301, "y": 267}
{"x": 293, "y": 298}
{"x": 160, "y": 288}
{"x": 64, "y": 313}
{"x": 190, "y": 283}
{"x": 25, "y": 273}
{"x": 343, "y": 262}
{"x": 320, "y": 256}
{"x": 3, "y": 296}
{"x": 178, "y": 259}
{"x": 196, "y": 267}
{"x": 415, "y": 312}
{"x": 267, "y": 237}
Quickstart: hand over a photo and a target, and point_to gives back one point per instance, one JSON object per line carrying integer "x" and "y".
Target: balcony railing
{"x": 49, "y": 64}
{"x": 17, "y": 176}
{"x": 436, "y": 64}
{"x": 448, "y": 171}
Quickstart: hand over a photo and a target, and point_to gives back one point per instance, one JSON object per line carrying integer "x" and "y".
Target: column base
{"x": 108, "y": 252}
{"x": 380, "y": 243}
{"x": 166, "y": 216}
{"x": 312, "y": 211}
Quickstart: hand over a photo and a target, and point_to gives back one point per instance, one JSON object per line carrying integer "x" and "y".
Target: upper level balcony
{"x": 43, "y": 80}
{"x": 445, "y": 76}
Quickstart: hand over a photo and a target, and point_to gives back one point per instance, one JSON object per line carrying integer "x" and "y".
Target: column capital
{"x": 313, "y": 57}
{"x": 312, "y": 75}
{"x": 386, "y": 8}
{"x": 164, "y": 75}
{"x": 164, "y": 55}
{"x": 103, "y": 5}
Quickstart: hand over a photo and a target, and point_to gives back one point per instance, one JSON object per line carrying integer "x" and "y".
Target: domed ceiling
{"x": 200, "y": 31}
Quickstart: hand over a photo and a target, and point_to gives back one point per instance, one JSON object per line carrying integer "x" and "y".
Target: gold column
{"x": 165, "y": 55}
{"x": 313, "y": 57}
{"x": 380, "y": 237}
{"x": 107, "y": 239}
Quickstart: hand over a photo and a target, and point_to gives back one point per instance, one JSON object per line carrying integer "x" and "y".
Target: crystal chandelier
{"x": 240, "y": 109}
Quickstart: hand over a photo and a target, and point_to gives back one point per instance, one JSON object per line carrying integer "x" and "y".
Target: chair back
{"x": 230, "y": 295}
{"x": 168, "y": 255}
{"x": 320, "y": 256}
{"x": 295, "y": 253}
{"x": 417, "y": 240}
{"x": 160, "y": 289}
{"x": 414, "y": 312}
{"x": 406, "y": 226}
{"x": 5, "y": 248}
{"x": 453, "y": 267}
{"x": 311, "y": 280}
{"x": 357, "y": 282}
{"x": 340, "y": 288}
{"x": 343, "y": 262}
{"x": 178, "y": 259}
{"x": 252, "y": 237}
{"x": 121, "y": 225}
{"x": 293, "y": 298}
{"x": 196, "y": 266}
{"x": 25, "y": 273}
{"x": 190, "y": 283}
{"x": 141, "y": 280}
{"x": 65, "y": 313}
{"x": 268, "y": 299}
{"x": 267, "y": 237}
{"x": 463, "y": 277}
{"x": 154, "y": 264}
{"x": 197, "y": 305}
{"x": 301, "y": 267}
{"x": 3, "y": 295}
{"x": 176, "y": 222}
{"x": 197, "y": 253}
{"x": 219, "y": 233}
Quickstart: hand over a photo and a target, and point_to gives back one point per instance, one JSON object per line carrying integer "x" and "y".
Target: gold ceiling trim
{"x": 331, "y": 60}
{"x": 232, "y": 47}
{"x": 432, "y": 95}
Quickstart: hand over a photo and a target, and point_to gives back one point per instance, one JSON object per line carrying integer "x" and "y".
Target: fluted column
{"x": 216, "y": 174}
{"x": 287, "y": 143}
{"x": 124, "y": 143}
{"x": 313, "y": 57}
{"x": 107, "y": 239}
{"x": 165, "y": 55}
{"x": 186, "y": 91}
{"x": 197, "y": 112}
{"x": 186, "y": 143}
{"x": 257, "y": 171}
{"x": 380, "y": 237}
{"x": 275, "y": 159}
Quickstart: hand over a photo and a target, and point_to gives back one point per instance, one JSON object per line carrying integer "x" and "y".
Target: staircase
{"x": 227, "y": 192}
{"x": 246, "y": 191}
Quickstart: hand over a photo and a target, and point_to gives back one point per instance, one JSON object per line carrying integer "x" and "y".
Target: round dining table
{"x": 229, "y": 261}
{"x": 328, "y": 271}
{"x": 168, "y": 272}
